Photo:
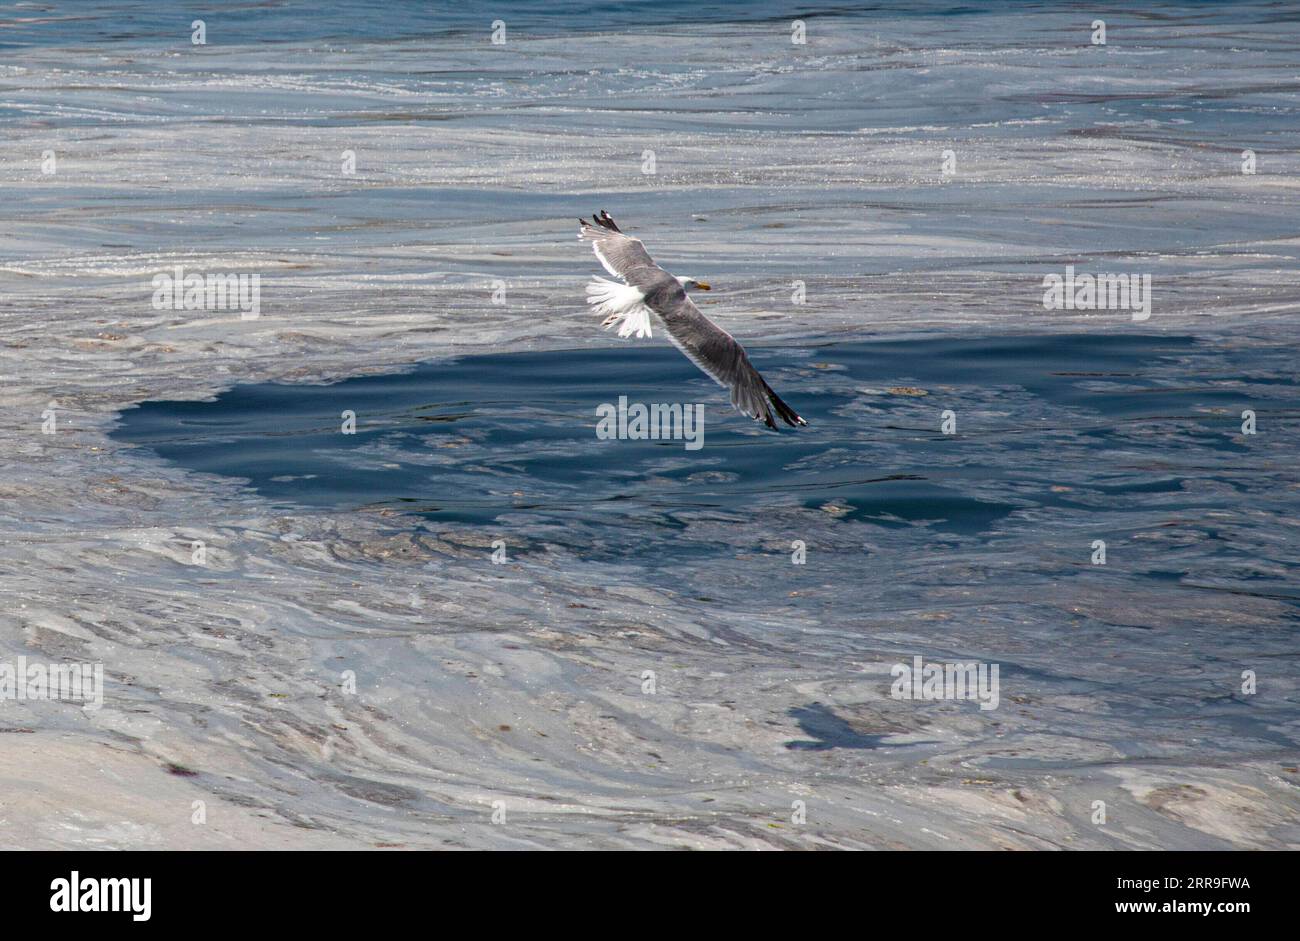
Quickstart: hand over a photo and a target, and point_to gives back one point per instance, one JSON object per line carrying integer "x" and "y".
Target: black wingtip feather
{"x": 788, "y": 415}
{"x": 605, "y": 221}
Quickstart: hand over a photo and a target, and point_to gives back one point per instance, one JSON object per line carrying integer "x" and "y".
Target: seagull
{"x": 646, "y": 287}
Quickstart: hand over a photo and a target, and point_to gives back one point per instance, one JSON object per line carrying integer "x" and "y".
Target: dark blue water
{"x": 362, "y": 20}
{"x": 1083, "y": 422}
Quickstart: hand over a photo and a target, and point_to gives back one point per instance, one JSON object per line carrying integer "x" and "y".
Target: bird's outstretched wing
{"x": 620, "y": 254}
{"x": 718, "y": 354}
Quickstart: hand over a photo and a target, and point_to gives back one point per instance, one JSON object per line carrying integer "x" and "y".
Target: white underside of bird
{"x": 620, "y": 304}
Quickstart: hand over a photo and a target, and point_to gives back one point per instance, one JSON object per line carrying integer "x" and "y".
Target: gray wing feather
{"x": 620, "y": 254}
{"x": 720, "y": 357}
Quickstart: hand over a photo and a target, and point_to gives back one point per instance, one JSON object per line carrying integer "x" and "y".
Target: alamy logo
{"x": 75, "y": 894}
{"x": 176, "y": 290}
{"x": 1130, "y": 292}
{"x": 974, "y": 681}
{"x": 70, "y": 682}
{"x": 657, "y": 422}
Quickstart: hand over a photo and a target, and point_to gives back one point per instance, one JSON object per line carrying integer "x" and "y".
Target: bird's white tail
{"x": 620, "y": 302}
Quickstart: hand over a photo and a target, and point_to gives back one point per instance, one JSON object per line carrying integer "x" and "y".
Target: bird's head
{"x": 690, "y": 284}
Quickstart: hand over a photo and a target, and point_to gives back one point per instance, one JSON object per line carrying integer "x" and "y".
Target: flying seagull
{"x": 646, "y": 287}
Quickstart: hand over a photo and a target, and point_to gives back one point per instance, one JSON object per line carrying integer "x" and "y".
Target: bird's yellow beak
{"x": 703, "y": 285}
